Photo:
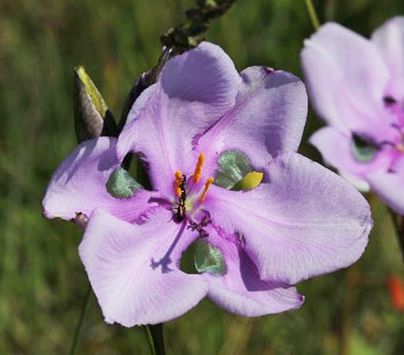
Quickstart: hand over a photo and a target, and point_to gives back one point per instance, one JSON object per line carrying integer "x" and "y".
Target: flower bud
{"x": 92, "y": 118}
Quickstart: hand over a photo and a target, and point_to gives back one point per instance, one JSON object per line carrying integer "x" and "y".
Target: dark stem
{"x": 351, "y": 280}
{"x": 398, "y": 222}
{"x": 142, "y": 83}
{"x": 80, "y": 322}
{"x": 154, "y": 334}
{"x": 178, "y": 40}
{"x": 191, "y": 32}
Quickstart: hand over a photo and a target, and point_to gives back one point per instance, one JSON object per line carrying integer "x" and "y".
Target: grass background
{"x": 42, "y": 282}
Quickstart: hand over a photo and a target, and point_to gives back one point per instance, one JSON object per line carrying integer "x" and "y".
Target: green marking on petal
{"x": 233, "y": 166}
{"x": 121, "y": 185}
{"x": 235, "y": 172}
{"x": 363, "y": 149}
{"x": 209, "y": 259}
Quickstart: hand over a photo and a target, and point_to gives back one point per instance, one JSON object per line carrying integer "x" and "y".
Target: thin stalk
{"x": 177, "y": 40}
{"x": 149, "y": 339}
{"x": 398, "y": 223}
{"x": 154, "y": 335}
{"x": 345, "y": 326}
{"x": 76, "y": 335}
{"x": 312, "y": 14}
{"x": 191, "y": 32}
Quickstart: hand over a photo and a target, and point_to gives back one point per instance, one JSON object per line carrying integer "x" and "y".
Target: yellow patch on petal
{"x": 250, "y": 181}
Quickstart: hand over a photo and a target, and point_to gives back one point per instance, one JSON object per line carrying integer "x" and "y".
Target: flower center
{"x": 186, "y": 203}
{"x": 396, "y": 107}
{"x": 365, "y": 148}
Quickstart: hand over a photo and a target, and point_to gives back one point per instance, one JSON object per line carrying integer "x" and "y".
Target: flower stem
{"x": 176, "y": 40}
{"x": 154, "y": 334}
{"x": 312, "y": 13}
{"x": 348, "y": 304}
{"x": 191, "y": 32}
{"x": 80, "y": 322}
{"x": 398, "y": 222}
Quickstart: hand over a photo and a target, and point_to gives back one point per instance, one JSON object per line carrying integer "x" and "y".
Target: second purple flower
{"x": 357, "y": 86}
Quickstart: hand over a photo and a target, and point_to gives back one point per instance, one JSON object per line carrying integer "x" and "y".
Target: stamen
{"x": 177, "y": 183}
{"x": 208, "y": 182}
{"x": 400, "y": 147}
{"x": 198, "y": 170}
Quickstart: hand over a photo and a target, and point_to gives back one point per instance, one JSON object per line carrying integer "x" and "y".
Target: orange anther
{"x": 177, "y": 183}
{"x": 198, "y": 169}
{"x": 208, "y": 182}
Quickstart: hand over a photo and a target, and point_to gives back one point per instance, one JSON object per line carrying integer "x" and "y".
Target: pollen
{"x": 198, "y": 169}
{"x": 208, "y": 182}
{"x": 177, "y": 183}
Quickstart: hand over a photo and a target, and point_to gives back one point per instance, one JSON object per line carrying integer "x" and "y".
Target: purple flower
{"x": 357, "y": 87}
{"x": 203, "y": 129}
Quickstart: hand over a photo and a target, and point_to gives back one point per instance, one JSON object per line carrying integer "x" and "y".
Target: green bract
{"x": 92, "y": 118}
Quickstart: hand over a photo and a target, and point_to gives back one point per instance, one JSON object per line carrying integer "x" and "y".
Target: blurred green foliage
{"x": 42, "y": 282}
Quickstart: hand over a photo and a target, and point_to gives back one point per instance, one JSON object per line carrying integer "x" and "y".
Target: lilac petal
{"x": 306, "y": 221}
{"x": 336, "y": 149}
{"x": 389, "y": 38}
{"x": 194, "y": 90}
{"x": 389, "y": 187}
{"x": 79, "y": 185}
{"x": 346, "y": 77}
{"x": 133, "y": 269}
{"x": 241, "y": 291}
{"x": 267, "y": 119}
